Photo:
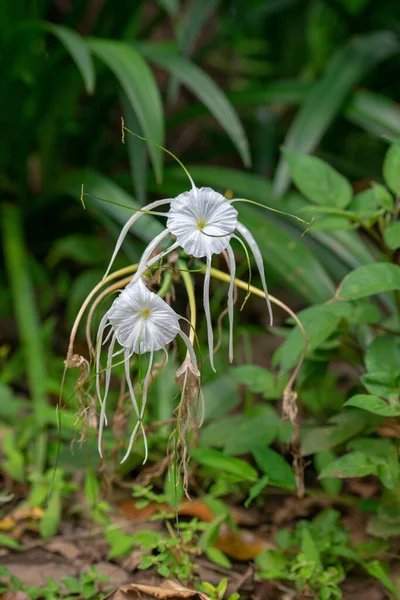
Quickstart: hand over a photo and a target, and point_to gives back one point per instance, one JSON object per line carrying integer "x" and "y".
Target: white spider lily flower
{"x": 140, "y": 322}
{"x": 203, "y": 223}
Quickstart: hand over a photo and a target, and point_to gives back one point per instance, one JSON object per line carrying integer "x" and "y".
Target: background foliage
{"x": 226, "y": 86}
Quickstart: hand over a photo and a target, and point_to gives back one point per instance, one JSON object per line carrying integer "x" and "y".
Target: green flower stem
{"x": 26, "y": 314}
{"x": 188, "y": 283}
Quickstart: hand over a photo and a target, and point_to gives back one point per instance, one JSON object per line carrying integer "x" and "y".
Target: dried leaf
{"x": 168, "y": 589}
{"x": 240, "y": 544}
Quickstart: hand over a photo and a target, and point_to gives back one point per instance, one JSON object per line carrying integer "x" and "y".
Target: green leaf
{"x": 391, "y": 169}
{"x": 120, "y": 542}
{"x": 318, "y": 181}
{"x": 224, "y": 390}
{"x": 218, "y": 461}
{"x": 8, "y": 542}
{"x": 92, "y": 487}
{"x": 206, "y": 90}
{"x": 391, "y": 236}
{"x": 383, "y": 196}
{"x": 383, "y": 356}
{"x": 344, "y": 70}
{"x": 375, "y": 568}
{"x": 272, "y": 564}
{"x": 369, "y": 280}
{"x": 319, "y": 322}
{"x": 321, "y": 460}
{"x": 275, "y": 466}
{"x": 256, "y": 490}
{"x": 355, "y": 464}
{"x": 218, "y": 557}
{"x": 309, "y": 548}
{"x": 52, "y": 516}
{"x": 238, "y": 434}
{"x": 374, "y": 405}
{"x": 78, "y": 49}
{"x": 140, "y": 87}
{"x": 13, "y": 461}
{"x": 171, "y": 6}
{"x": 259, "y": 380}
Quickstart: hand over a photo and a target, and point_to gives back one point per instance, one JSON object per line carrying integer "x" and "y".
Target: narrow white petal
{"x": 232, "y": 269}
{"x": 99, "y": 343}
{"x": 131, "y": 440}
{"x": 146, "y": 450}
{"x": 103, "y": 416}
{"x": 127, "y": 357}
{"x": 144, "y": 266}
{"x": 148, "y": 252}
{"x": 248, "y": 236}
{"x": 206, "y": 303}
{"x": 135, "y": 406}
{"x": 146, "y": 385}
{"x": 127, "y": 227}
{"x": 190, "y": 350}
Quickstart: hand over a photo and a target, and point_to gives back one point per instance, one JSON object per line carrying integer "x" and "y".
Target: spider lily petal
{"x": 140, "y": 322}
{"x": 202, "y": 222}
{"x": 129, "y": 224}
{"x": 248, "y": 236}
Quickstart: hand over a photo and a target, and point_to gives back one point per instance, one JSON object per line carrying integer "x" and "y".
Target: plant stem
{"x": 26, "y": 314}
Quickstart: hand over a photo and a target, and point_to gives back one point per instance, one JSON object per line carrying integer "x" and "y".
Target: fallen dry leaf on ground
{"x": 167, "y": 590}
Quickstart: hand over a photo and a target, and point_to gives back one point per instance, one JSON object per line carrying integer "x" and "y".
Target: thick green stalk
{"x": 27, "y": 318}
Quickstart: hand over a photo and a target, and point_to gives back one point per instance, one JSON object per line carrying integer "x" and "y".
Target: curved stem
{"x": 188, "y": 283}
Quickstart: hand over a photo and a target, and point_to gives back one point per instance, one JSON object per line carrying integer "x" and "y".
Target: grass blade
{"x": 206, "y": 90}
{"x": 325, "y": 100}
{"x": 17, "y": 266}
{"x": 140, "y": 87}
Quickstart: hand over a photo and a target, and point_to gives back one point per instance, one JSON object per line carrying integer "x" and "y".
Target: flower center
{"x": 145, "y": 313}
{"x": 201, "y": 224}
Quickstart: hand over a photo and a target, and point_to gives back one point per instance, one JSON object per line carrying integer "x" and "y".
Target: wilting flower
{"x": 203, "y": 223}
{"x": 140, "y": 322}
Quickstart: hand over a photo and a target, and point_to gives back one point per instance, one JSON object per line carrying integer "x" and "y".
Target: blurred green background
{"x": 223, "y": 85}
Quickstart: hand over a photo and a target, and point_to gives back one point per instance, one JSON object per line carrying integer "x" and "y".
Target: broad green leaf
{"x": 259, "y": 380}
{"x": 239, "y": 434}
{"x": 383, "y": 196}
{"x": 344, "y": 70}
{"x": 340, "y": 428}
{"x": 318, "y": 181}
{"x": 77, "y": 46}
{"x": 391, "y": 169}
{"x": 221, "y": 395}
{"x": 82, "y": 249}
{"x": 354, "y": 464}
{"x": 218, "y": 461}
{"x": 383, "y": 356}
{"x": 206, "y": 90}
{"x": 391, "y": 236}
{"x": 256, "y": 490}
{"x": 369, "y": 280}
{"x": 319, "y": 322}
{"x": 332, "y": 485}
{"x": 140, "y": 87}
{"x": 275, "y": 466}
{"x": 146, "y": 228}
{"x": 385, "y": 453}
{"x": 374, "y": 405}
